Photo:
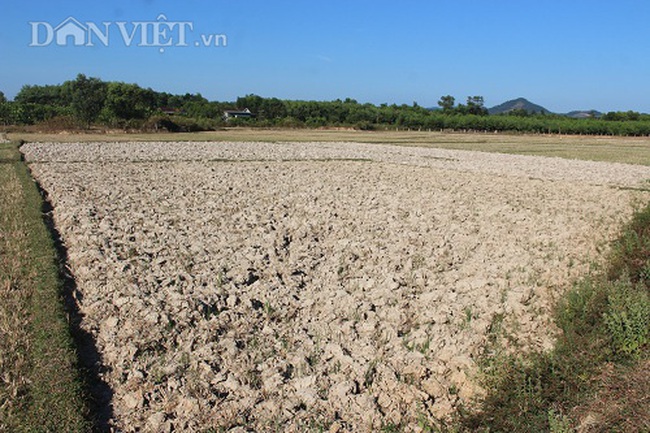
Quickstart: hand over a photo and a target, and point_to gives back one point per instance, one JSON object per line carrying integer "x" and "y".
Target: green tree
{"x": 252, "y": 102}
{"x": 19, "y": 114}
{"x": 475, "y": 105}
{"x": 43, "y": 95}
{"x": 272, "y": 109}
{"x": 4, "y": 109}
{"x": 87, "y": 96}
{"x": 447, "y": 103}
{"x": 129, "y": 101}
{"x": 519, "y": 112}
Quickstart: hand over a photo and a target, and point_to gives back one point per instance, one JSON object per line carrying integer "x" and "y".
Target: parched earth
{"x": 337, "y": 286}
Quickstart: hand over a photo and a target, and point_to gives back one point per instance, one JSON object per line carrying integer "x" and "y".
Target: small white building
{"x": 238, "y": 114}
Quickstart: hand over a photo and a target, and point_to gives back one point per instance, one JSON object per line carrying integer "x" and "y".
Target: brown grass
{"x": 622, "y": 402}
{"x": 632, "y": 150}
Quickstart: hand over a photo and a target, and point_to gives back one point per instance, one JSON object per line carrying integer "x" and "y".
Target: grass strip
{"x": 40, "y": 387}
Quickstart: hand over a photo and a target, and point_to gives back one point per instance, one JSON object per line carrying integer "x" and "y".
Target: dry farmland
{"x": 289, "y": 286}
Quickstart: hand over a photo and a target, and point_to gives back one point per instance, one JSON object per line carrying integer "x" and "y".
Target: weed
{"x": 184, "y": 362}
{"x": 571, "y": 263}
{"x": 390, "y": 428}
{"x": 158, "y": 375}
{"x": 423, "y": 347}
{"x": 318, "y": 426}
{"x": 468, "y": 315}
{"x": 222, "y": 277}
{"x": 558, "y": 423}
{"x": 369, "y": 375}
{"x": 628, "y": 319}
{"x": 495, "y": 332}
{"x": 269, "y": 311}
{"x": 343, "y": 270}
{"x": 417, "y": 261}
{"x": 253, "y": 378}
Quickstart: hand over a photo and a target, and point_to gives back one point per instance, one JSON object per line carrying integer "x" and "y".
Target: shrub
{"x": 180, "y": 124}
{"x": 631, "y": 251}
{"x": 627, "y": 319}
{"x": 58, "y": 123}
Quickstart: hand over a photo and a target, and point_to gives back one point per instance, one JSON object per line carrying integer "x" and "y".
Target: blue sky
{"x": 564, "y": 55}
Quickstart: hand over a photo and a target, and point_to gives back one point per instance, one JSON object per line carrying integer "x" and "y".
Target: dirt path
{"x": 301, "y": 286}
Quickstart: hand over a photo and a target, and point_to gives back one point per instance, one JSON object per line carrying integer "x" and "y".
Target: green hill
{"x": 517, "y": 104}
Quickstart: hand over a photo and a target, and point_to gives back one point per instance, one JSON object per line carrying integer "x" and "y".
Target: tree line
{"x": 87, "y": 101}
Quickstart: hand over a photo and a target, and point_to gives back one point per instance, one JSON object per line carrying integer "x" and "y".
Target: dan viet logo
{"x": 161, "y": 33}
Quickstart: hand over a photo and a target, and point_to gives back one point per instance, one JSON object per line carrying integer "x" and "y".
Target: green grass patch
{"x": 40, "y": 387}
{"x": 602, "y": 354}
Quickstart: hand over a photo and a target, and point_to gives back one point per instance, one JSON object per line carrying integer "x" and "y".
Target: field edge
{"x": 52, "y": 397}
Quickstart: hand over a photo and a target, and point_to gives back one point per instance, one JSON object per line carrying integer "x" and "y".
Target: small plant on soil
{"x": 369, "y": 375}
{"x": 269, "y": 311}
{"x": 468, "y": 315}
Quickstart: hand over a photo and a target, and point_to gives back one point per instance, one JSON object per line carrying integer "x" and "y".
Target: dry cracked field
{"x": 289, "y": 287}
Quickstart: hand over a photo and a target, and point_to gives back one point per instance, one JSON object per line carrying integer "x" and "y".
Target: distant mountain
{"x": 517, "y": 104}
{"x": 584, "y": 114}
{"x": 525, "y": 104}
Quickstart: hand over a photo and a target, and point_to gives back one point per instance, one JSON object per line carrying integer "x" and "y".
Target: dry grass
{"x": 632, "y": 150}
{"x": 622, "y": 402}
{"x": 14, "y": 304}
{"x": 39, "y": 386}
